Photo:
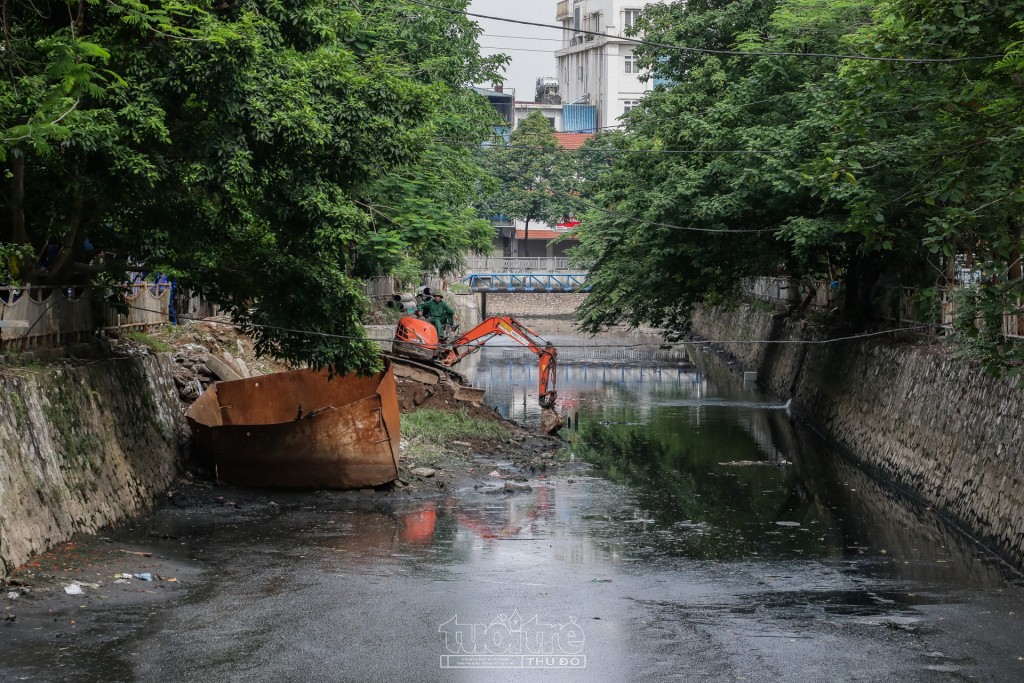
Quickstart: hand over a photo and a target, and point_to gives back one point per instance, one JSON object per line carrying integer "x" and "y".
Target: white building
{"x": 552, "y": 112}
{"x": 599, "y": 70}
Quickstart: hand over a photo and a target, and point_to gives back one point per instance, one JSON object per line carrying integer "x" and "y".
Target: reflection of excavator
{"x": 417, "y": 338}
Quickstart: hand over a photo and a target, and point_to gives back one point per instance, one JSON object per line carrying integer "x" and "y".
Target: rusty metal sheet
{"x": 300, "y": 430}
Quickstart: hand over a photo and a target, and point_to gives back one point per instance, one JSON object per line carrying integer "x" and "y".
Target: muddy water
{"x": 695, "y": 534}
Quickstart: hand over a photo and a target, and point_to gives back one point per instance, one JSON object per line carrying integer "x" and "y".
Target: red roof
{"x": 572, "y": 140}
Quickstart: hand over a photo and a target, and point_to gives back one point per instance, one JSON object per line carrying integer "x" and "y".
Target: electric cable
{"x": 664, "y": 345}
{"x": 609, "y": 152}
{"x": 712, "y": 51}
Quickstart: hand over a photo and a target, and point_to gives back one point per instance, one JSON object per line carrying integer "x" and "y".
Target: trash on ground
{"x": 145, "y": 576}
{"x": 13, "y": 595}
{"x": 424, "y": 472}
{"x": 74, "y": 589}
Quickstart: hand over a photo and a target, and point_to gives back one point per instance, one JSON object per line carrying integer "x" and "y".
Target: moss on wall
{"x": 82, "y": 447}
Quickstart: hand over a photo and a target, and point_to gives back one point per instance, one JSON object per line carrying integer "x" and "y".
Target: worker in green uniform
{"x": 437, "y": 311}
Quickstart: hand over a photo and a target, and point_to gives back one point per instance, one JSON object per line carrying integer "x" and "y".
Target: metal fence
{"x": 35, "y": 317}
{"x": 892, "y": 304}
{"x": 501, "y": 264}
{"x": 781, "y": 290}
{"x": 380, "y": 287}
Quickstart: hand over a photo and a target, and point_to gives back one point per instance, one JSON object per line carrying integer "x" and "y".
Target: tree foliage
{"x": 867, "y": 172}
{"x": 534, "y": 180}
{"x": 271, "y": 155}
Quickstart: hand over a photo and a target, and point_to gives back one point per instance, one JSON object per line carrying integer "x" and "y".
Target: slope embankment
{"x": 82, "y": 447}
{"x": 935, "y": 425}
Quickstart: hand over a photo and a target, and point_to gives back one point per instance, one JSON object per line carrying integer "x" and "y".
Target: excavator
{"x": 417, "y": 338}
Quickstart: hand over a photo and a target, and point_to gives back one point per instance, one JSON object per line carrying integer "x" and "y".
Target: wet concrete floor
{"x": 695, "y": 533}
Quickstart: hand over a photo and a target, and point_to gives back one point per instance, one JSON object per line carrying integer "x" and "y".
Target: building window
{"x": 630, "y": 104}
{"x": 580, "y": 72}
{"x": 630, "y": 60}
{"x": 629, "y": 17}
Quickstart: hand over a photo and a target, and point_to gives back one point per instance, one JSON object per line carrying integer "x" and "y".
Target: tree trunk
{"x": 526, "y": 238}
{"x": 18, "y": 232}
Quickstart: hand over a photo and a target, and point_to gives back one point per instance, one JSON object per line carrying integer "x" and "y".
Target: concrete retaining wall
{"x": 82, "y": 448}
{"x": 936, "y": 425}
{"x": 534, "y": 305}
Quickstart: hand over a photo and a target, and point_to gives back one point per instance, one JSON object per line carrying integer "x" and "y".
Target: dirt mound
{"x": 413, "y": 396}
{"x": 194, "y": 344}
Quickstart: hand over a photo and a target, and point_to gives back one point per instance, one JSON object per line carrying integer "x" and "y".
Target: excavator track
{"x": 439, "y": 370}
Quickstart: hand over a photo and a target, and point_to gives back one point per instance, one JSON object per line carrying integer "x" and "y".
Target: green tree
{"x": 270, "y": 155}
{"x": 937, "y": 152}
{"x": 536, "y": 180}
{"x": 899, "y": 171}
{"x": 707, "y": 187}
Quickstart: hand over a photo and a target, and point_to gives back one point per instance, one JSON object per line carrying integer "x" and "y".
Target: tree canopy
{"x": 534, "y": 180}
{"x": 810, "y": 165}
{"x": 268, "y": 154}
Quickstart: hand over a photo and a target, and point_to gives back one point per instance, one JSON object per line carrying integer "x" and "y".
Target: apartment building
{"x": 599, "y": 70}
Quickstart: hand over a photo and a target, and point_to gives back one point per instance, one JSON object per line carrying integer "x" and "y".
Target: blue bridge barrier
{"x": 527, "y": 282}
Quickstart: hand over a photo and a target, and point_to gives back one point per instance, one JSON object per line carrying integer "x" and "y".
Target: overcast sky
{"x": 532, "y": 48}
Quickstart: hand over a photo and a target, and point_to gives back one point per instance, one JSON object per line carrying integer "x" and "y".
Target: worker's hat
{"x": 439, "y": 295}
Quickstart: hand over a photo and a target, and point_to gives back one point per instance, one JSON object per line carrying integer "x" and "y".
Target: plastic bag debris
{"x": 13, "y": 595}
{"x": 74, "y": 589}
{"x": 145, "y": 576}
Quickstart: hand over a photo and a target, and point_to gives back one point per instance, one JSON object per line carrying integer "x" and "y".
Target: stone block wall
{"x": 520, "y": 305}
{"x": 935, "y": 425}
{"x": 81, "y": 448}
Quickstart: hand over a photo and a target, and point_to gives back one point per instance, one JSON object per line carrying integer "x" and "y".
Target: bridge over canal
{"x": 485, "y": 274}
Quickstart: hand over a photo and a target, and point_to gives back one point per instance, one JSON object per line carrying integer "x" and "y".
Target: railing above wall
{"x": 37, "y": 317}
{"x": 501, "y": 264}
{"x": 893, "y": 304}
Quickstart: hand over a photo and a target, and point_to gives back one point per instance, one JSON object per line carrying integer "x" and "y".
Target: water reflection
{"x": 709, "y": 469}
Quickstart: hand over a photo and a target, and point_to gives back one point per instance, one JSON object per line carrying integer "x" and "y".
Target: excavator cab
{"x": 416, "y": 338}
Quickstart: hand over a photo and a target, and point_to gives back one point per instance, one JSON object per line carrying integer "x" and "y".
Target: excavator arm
{"x": 476, "y": 338}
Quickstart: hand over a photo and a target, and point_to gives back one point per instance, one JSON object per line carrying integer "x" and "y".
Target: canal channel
{"x": 694, "y": 532}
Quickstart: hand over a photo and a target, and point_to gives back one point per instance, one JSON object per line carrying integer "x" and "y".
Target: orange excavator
{"x": 417, "y": 338}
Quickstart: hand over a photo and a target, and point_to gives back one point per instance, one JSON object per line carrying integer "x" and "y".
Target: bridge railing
{"x": 502, "y": 264}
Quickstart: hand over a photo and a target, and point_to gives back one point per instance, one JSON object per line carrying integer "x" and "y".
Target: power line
{"x": 593, "y": 150}
{"x": 670, "y": 226}
{"x": 516, "y": 49}
{"x": 496, "y": 35}
{"x": 330, "y": 335}
{"x": 710, "y": 51}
